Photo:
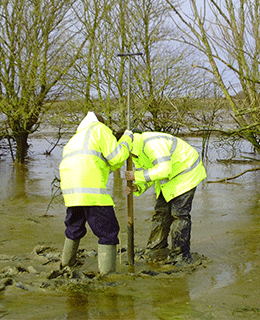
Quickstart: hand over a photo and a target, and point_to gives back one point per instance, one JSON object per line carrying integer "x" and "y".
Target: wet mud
{"x": 41, "y": 269}
{"x": 222, "y": 282}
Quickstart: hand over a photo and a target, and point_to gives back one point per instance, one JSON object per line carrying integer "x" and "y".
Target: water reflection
{"x": 226, "y": 226}
{"x": 17, "y": 186}
{"x": 150, "y": 299}
{"x": 226, "y": 275}
{"x": 99, "y": 305}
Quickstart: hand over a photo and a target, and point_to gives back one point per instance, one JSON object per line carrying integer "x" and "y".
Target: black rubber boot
{"x": 180, "y": 235}
{"x": 161, "y": 223}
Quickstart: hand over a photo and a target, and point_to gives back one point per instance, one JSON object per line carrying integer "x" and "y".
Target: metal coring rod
{"x": 130, "y": 200}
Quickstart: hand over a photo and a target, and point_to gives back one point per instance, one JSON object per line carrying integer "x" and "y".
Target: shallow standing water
{"x": 226, "y": 225}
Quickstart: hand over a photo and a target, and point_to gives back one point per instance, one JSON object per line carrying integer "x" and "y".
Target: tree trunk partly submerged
{"x": 21, "y": 146}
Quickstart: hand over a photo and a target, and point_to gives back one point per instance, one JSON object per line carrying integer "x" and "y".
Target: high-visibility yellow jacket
{"x": 168, "y": 162}
{"x": 87, "y": 160}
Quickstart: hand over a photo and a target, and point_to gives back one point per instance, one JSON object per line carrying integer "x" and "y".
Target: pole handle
{"x": 129, "y": 54}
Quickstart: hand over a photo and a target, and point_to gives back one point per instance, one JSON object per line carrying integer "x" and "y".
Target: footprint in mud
{"x": 47, "y": 254}
{"x": 41, "y": 270}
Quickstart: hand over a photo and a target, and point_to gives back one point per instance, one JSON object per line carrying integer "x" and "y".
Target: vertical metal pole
{"x": 129, "y": 165}
{"x": 129, "y": 94}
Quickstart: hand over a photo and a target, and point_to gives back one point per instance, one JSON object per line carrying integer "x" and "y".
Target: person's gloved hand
{"x": 133, "y": 189}
{"x": 129, "y": 175}
{"x": 129, "y": 133}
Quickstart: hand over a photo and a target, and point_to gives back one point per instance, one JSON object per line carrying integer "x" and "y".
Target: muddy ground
{"x": 223, "y": 283}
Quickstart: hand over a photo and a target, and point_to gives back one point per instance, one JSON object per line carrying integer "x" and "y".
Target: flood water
{"x": 225, "y": 230}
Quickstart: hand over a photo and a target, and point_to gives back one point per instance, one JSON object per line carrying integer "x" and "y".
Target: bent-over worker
{"x": 175, "y": 168}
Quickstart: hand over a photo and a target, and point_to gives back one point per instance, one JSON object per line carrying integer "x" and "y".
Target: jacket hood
{"x": 90, "y": 117}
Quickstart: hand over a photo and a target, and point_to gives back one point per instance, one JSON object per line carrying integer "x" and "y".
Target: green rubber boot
{"x": 106, "y": 258}
{"x": 69, "y": 252}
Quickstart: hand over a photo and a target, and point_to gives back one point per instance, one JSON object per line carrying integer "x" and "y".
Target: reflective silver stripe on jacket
{"x": 86, "y": 151}
{"x": 173, "y": 139}
{"x": 126, "y": 144}
{"x": 117, "y": 150}
{"x": 129, "y": 134}
{"x": 147, "y": 176}
{"x": 194, "y": 165}
{"x": 85, "y": 190}
{"x": 162, "y": 159}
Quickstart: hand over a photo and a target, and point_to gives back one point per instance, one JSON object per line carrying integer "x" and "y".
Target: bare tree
{"x": 91, "y": 16}
{"x": 163, "y": 71}
{"x": 34, "y": 57}
{"x": 98, "y": 67}
{"x": 100, "y": 77}
{"x": 227, "y": 34}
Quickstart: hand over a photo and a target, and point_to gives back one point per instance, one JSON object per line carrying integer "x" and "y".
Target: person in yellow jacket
{"x": 175, "y": 168}
{"x": 87, "y": 160}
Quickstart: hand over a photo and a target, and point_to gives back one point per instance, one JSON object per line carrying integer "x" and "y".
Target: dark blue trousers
{"x": 101, "y": 220}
